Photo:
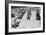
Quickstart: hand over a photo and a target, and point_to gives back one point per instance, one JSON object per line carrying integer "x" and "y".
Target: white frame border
{"x": 21, "y": 30}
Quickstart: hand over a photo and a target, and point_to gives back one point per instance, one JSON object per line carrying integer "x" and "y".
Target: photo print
{"x": 25, "y": 17}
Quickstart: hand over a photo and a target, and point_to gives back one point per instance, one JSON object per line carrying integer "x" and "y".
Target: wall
{"x": 2, "y": 16}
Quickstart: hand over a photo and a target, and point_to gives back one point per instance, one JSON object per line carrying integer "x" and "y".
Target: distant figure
{"x": 37, "y": 15}
{"x": 12, "y": 15}
{"x": 16, "y": 23}
{"x": 29, "y": 14}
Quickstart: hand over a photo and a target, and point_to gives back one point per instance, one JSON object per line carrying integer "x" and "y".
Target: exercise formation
{"x": 25, "y": 17}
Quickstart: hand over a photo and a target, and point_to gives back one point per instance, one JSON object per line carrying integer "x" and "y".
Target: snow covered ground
{"x": 32, "y": 23}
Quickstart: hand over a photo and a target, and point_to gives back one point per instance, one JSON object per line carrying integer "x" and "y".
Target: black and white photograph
{"x": 25, "y": 17}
